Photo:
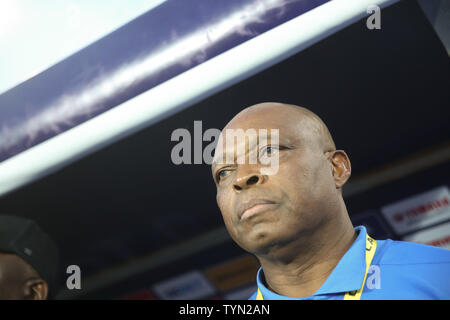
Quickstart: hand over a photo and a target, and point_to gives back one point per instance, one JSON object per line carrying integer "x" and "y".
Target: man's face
{"x": 11, "y": 278}
{"x": 18, "y": 280}
{"x": 262, "y": 211}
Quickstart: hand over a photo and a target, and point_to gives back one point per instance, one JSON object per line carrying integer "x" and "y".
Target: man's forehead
{"x": 290, "y": 124}
{"x": 271, "y": 114}
{"x": 295, "y": 125}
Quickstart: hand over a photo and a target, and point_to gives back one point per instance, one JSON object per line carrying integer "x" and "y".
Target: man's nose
{"x": 247, "y": 178}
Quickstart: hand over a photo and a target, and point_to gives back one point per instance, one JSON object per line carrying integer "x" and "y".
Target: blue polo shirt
{"x": 399, "y": 270}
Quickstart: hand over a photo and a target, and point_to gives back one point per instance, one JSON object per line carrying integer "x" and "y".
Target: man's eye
{"x": 270, "y": 151}
{"x": 222, "y": 174}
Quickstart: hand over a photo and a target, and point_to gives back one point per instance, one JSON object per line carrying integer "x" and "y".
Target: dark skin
{"x": 19, "y": 281}
{"x": 302, "y": 229}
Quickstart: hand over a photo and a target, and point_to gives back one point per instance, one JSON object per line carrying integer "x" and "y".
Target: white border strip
{"x": 182, "y": 91}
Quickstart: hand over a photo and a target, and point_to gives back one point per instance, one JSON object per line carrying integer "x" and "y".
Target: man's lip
{"x": 243, "y": 207}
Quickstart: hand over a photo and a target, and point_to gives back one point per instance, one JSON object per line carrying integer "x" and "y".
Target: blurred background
{"x": 140, "y": 226}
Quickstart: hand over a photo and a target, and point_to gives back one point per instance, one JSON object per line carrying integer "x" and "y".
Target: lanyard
{"x": 371, "y": 247}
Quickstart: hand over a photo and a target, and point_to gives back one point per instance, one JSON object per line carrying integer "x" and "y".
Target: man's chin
{"x": 258, "y": 242}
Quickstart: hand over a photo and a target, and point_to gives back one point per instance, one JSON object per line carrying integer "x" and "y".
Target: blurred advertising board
{"x": 419, "y": 211}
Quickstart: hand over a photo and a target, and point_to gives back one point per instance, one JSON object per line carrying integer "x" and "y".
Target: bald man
{"x": 296, "y": 223}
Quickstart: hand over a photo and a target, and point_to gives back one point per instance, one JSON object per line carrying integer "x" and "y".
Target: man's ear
{"x": 341, "y": 167}
{"x": 36, "y": 289}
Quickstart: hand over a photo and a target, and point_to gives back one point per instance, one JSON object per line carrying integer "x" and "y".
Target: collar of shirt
{"x": 347, "y": 276}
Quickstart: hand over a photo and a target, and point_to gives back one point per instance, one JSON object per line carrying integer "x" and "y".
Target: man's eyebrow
{"x": 221, "y": 161}
{"x": 261, "y": 138}
{"x": 216, "y": 163}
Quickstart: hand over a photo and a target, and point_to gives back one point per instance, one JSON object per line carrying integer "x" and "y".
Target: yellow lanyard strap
{"x": 371, "y": 247}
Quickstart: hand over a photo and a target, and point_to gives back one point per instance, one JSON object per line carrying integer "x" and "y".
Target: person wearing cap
{"x": 28, "y": 260}
{"x": 295, "y": 221}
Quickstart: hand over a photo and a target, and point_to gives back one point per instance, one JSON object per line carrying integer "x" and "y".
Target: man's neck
{"x": 303, "y": 274}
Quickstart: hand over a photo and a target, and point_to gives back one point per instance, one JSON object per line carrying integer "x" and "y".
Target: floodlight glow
{"x": 9, "y": 16}
{"x": 35, "y": 35}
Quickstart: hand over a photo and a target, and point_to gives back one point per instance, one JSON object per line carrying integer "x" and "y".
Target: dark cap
{"x": 26, "y": 239}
